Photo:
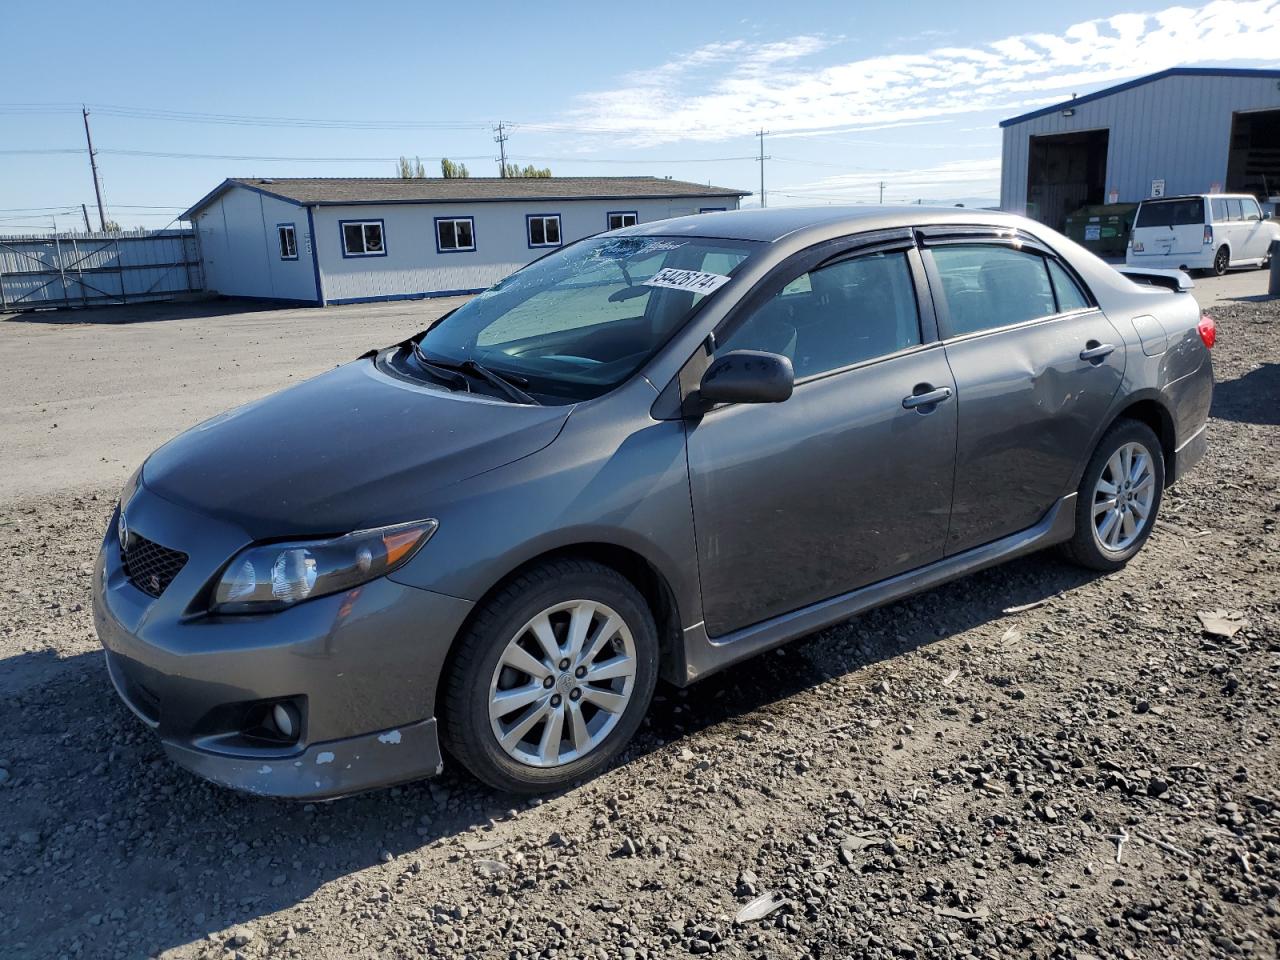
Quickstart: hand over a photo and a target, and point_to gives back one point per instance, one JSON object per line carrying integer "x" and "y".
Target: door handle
{"x": 928, "y": 398}
{"x": 1094, "y": 350}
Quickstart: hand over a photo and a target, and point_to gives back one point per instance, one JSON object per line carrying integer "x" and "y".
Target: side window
{"x": 1219, "y": 211}
{"x": 288, "y": 235}
{"x": 853, "y": 310}
{"x": 1251, "y": 209}
{"x": 543, "y": 229}
{"x": 1234, "y": 210}
{"x": 988, "y": 286}
{"x": 621, "y": 218}
{"x": 455, "y": 234}
{"x": 362, "y": 238}
{"x": 1070, "y": 296}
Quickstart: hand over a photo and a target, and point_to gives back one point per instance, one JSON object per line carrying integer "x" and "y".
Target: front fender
{"x": 614, "y": 476}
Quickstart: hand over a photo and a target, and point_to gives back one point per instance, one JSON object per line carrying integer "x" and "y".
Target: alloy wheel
{"x": 562, "y": 683}
{"x": 1221, "y": 261}
{"x": 1123, "y": 498}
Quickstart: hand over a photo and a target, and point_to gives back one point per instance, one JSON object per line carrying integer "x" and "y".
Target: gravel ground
{"x": 1032, "y": 762}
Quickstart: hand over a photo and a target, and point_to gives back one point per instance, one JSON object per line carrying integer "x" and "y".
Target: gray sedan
{"x": 650, "y": 454}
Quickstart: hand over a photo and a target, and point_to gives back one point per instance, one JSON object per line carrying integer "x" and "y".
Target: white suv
{"x": 1207, "y": 232}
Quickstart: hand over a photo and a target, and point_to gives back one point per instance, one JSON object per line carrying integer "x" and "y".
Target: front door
{"x": 847, "y": 482}
{"x": 1036, "y": 367}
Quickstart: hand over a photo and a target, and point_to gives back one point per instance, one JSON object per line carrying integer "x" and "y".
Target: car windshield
{"x": 1171, "y": 213}
{"x": 579, "y": 322}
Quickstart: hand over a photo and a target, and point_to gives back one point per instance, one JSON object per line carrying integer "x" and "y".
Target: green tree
{"x": 411, "y": 169}
{"x": 515, "y": 170}
{"x": 452, "y": 170}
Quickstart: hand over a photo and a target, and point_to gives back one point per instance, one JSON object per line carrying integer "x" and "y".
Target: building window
{"x": 288, "y": 236}
{"x": 455, "y": 234}
{"x": 622, "y": 218}
{"x": 544, "y": 229}
{"x": 362, "y": 238}
{"x": 711, "y": 209}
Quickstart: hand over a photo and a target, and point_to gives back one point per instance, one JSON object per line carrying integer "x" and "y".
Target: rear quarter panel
{"x": 1179, "y": 376}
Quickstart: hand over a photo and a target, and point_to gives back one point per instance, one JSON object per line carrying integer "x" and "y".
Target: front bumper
{"x": 361, "y": 666}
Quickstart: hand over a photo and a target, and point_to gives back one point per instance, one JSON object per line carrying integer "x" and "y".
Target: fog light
{"x": 285, "y": 717}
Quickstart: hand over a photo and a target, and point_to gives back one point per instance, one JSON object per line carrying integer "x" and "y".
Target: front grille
{"x": 151, "y": 567}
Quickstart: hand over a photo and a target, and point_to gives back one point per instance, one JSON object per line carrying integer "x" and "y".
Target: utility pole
{"x": 882, "y": 192}
{"x": 764, "y": 200}
{"x": 501, "y": 141}
{"x": 85, "y": 211}
{"x": 93, "y": 165}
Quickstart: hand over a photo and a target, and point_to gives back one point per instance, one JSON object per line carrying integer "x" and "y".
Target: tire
{"x": 563, "y": 591}
{"x": 1088, "y": 547}
{"x": 1221, "y": 261}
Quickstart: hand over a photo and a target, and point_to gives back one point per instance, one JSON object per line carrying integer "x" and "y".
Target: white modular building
{"x": 329, "y": 240}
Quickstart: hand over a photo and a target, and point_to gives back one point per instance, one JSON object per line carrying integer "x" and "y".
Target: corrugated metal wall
{"x": 1177, "y": 129}
{"x": 80, "y": 270}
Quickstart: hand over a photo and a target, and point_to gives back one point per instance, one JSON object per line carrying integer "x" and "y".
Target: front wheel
{"x": 1119, "y": 497}
{"x": 552, "y": 678}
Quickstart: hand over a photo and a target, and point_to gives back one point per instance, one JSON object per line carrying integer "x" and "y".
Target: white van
{"x": 1207, "y": 232}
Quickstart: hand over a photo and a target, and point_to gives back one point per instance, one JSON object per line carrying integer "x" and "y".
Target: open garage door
{"x": 1253, "y": 165}
{"x": 1065, "y": 172}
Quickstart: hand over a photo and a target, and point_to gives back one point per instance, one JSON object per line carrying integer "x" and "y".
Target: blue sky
{"x": 852, "y": 93}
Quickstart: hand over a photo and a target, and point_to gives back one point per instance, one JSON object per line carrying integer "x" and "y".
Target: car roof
{"x": 1200, "y": 196}
{"x": 772, "y": 225}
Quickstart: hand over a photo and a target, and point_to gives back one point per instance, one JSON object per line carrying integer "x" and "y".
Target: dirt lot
{"x": 1032, "y": 762}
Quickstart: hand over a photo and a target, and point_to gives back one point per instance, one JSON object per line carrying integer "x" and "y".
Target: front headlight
{"x": 279, "y": 575}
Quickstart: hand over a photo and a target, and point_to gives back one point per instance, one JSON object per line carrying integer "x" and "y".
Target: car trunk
{"x": 1169, "y": 227}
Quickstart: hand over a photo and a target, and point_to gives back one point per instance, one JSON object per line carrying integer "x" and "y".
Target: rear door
{"x": 1173, "y": 227}
{"x": 1254, "y": 239}
{"x": 847, "y": 482}
{"x": 1036, "y": 366}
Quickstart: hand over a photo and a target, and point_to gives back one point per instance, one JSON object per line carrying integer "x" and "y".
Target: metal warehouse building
{"x": 1181, "y": 131}
{"x": 344, "y": 240}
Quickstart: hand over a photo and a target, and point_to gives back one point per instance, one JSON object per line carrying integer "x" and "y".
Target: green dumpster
{"x": 1102, "y": 228}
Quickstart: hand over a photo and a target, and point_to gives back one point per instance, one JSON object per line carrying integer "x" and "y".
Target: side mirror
{"x": 747, "y": 376}
{"x": 1268, "y": 215}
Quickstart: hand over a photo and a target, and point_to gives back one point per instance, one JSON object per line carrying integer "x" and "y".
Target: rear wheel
{"x": 552, "y": 678}
{"x": 1221, "y": 260}
{"x": 1119, "y": 497}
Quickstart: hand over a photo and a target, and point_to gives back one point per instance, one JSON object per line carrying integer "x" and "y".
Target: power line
{"x": 657, "y": 160}
{"x": 44, "y": 151}
{"x": 190, "y": 116}
{"x": 172, "y": 155}
{"x": 175, "y": 155}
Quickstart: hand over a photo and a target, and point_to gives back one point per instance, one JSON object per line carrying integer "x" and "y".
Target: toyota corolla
{"x": 650, "y": 454}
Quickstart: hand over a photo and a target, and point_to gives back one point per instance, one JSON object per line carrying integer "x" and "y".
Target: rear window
{"x": 1170, "y": 213}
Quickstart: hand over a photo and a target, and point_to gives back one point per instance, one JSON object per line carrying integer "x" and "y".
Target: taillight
{"x": 1208, "y": 235}
{"x": 1137, "y": 246}
{"x": 1208, "y": 330}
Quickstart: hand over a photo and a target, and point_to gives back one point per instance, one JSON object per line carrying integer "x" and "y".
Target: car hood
{"x": 349, "y": 449}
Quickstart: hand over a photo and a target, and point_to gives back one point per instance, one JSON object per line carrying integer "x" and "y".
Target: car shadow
{"x": 161, "y": 858}
{"x": 1253, "y": 398}
{"x": 155, "y": 311}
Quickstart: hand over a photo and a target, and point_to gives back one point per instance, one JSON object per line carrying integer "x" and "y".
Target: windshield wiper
{"x": 507, "y": 383}
{"x": 450, "y": 378}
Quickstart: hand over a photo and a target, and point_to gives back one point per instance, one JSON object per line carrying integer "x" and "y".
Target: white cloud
{"x": 727, "y": 89}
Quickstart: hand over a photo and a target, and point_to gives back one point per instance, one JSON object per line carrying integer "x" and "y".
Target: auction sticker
{"x": 692, "y": 280}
